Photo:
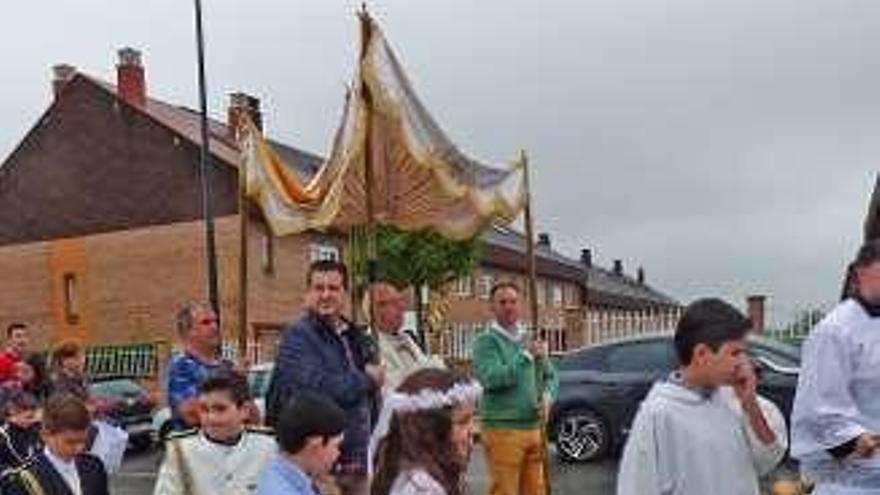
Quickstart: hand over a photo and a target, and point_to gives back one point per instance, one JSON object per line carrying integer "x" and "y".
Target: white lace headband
{"x": 398, "y": 402}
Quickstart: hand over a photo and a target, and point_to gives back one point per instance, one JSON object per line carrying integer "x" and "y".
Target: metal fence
{"x": 796, "y": 332}
{"x": 605, "y": 325}
{"x": 132, "y": 360}
{"x": 456, "y": 341}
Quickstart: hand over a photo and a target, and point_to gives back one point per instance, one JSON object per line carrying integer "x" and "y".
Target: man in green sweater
{"x": 519, "y": 383}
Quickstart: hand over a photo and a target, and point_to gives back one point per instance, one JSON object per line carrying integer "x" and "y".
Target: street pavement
{"x": 138, "y": 475}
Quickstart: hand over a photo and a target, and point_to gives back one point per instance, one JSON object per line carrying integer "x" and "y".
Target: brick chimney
{"x": 618, "y": 268}
{"x": 755, "y": 304}
{"x": 640, "y": 276}
{"x": 241, "y": 104}
{"x": 61, "y": 75}
{"x": 587, "y": 257}
{"x": 544, "y": 240}
{"x": 131, "y": 84}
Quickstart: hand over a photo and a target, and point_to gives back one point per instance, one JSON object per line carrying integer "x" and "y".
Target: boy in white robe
{"x": 704, "y": 430}
{"x": 222, "y": 457}
{"x": 836, "y": 416}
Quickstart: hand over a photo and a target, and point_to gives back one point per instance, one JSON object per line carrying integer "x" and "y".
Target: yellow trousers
{"x": 515, "y": 459}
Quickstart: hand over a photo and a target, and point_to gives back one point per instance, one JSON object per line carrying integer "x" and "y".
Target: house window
{"x": 323, "y": 252}
{"x": 570, "y": 295}
{"x": 541, "y": 292}
{"x": 463, "y": 286}
{"x": 71, "y": 299}
{"x": 267, "y": 253}
{"x": 484, "y": 286}
{"x": 557, "y": 296}
{"x": 548, "y": 293}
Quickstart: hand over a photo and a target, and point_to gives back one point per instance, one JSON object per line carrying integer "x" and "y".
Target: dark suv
{"x": 602, "y": 386}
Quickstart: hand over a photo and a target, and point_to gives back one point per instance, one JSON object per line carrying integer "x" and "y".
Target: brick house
{"x": 100, "y": 232}
{"x": 101, "y": 237}
{"x": 574, "y": 295}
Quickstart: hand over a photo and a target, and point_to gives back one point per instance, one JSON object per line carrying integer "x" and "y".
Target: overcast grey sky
{"x": 728, "y": 146}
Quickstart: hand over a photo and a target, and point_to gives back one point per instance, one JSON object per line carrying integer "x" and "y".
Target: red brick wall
{"x": 92, "y": 164}
{"x": 130, "y": 283}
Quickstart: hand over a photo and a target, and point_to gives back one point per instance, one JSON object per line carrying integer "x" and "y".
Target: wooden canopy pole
{"x": 533, "y": 310}
{"x": 530, "y": 249}
{"x": 369, "y": 178}
{"x": 243, "y": 264}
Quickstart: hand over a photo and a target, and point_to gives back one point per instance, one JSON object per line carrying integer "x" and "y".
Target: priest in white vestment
{"x": 401, "y": 355}
{"x": 836, "y": 416}
{"x": 704, "y": 430}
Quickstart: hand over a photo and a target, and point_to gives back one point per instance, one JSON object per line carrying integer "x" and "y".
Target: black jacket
{"x": 17, "y": 445}
{"x": 39, "y": 477}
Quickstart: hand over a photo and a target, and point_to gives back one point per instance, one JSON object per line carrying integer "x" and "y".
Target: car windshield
{"x": 115, "y": 388}
{"x": 583, "y": 359}
{"x": 779, "y": 355}
{"x": 656, "y": 355}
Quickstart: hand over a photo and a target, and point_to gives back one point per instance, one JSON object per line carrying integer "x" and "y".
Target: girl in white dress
{"x": 424, "y": 436}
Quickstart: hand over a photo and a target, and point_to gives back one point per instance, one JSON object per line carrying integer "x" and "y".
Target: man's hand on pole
{"x": 538, "y": 349}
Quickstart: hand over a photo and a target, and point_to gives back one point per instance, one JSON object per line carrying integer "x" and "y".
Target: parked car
{"x": 601, "y": 387}
{"x": 258, "y": 377}
{"x": 125, "y": 403}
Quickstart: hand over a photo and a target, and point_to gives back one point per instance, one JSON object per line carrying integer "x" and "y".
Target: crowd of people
{"x": 354, "y": 410}
{"x": 54, "y": 433}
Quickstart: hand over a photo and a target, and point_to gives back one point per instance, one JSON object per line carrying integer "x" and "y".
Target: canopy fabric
{"x": 420, "y": 180}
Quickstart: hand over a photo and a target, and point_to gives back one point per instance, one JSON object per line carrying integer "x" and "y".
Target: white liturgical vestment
{"x": 688, "y": 441}
{"x": 838, "y": 399}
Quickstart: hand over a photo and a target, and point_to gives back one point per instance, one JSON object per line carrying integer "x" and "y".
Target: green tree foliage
{"x": 418, "y": 259}
{"x": 415, "y": 259}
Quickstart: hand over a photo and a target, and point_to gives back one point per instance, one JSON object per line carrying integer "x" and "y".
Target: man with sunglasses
{"x": 199, "y": 333}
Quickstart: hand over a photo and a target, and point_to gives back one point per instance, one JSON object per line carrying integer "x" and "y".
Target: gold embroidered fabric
{"x": 420, "y": 180}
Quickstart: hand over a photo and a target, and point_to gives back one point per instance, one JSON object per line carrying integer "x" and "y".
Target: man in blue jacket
{"x": 322, "y": 352}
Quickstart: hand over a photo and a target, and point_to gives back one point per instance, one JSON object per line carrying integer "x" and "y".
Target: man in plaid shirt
{"x": 323, "y": 353}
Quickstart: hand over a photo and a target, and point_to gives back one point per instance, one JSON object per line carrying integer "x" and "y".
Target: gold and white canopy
{"x": 390, "y": 149}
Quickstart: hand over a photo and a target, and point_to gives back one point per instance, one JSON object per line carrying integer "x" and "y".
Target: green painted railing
{"x": 131, "y": 360}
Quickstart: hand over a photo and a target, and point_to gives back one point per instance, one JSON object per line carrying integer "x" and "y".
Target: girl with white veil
{"x": 424, "y": 436}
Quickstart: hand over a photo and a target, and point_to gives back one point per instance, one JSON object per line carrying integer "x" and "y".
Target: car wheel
{"x": 581, "y": 436}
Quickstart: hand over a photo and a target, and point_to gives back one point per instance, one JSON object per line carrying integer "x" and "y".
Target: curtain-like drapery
{"x": 420, "y": 180}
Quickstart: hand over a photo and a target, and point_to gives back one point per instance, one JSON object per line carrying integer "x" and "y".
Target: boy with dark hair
{"x": 310, "y": 436}
{"x": 68, "y": 363}
{"x": 20, "y": 434}
{"x": 223, "y": 456}
{"x": 62, "y": 468}
{"x": 704, "y": 429}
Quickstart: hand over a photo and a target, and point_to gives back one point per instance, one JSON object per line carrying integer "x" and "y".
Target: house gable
{"x": 94, "y": 164}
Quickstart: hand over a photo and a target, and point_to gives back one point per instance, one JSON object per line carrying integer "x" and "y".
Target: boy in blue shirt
{"x": 309, "y": 434}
